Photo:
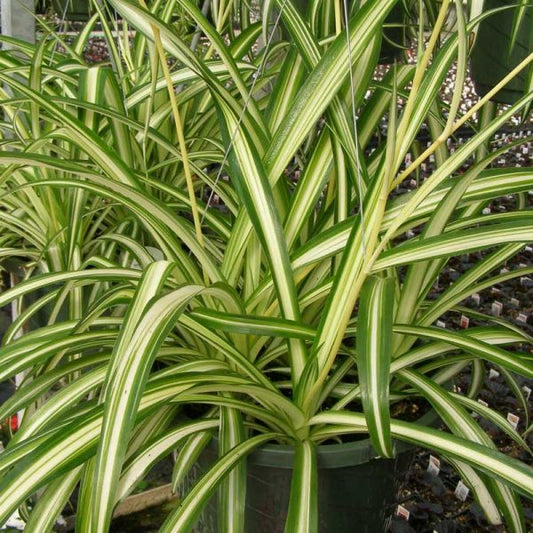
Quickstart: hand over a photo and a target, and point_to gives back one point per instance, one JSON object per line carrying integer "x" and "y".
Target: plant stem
{"x": 181, "y": 139}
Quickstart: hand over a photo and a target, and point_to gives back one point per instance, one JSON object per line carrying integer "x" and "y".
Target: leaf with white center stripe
{"x": 374, "y": 353}
{"x": 302, "y": 516}
{"x": 509, "y": 470}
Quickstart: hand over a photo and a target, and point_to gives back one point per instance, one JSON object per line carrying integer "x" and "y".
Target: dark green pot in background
{"x": 491, "y": 60}
{"x": 395, "y": 39}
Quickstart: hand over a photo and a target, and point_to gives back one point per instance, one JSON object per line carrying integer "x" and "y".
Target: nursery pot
{"x": 355, "y": 489}
{"x": 492, "y": 58}
{"x": 394, "y": 39}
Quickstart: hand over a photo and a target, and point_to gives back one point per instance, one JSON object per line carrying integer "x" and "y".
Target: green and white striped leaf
{"x": 494, "y": 463}
{"x": 185, "y": 516}
{"x": 374, "y": 354}
{"x": 302, "y": 516}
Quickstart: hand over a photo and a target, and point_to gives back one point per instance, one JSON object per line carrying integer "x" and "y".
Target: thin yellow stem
{"x": 421, "y": 70}
{"x": 221, "y": 20}
{"x": 452, "y": 128}
{"x": 338, "y": 17}
{"x": 181, "y": 138}
{"x": 442, "y": 138}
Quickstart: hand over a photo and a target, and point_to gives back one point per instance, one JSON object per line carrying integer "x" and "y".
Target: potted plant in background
{"x": 290, "y": 303}
{"x": 504, "y": 39}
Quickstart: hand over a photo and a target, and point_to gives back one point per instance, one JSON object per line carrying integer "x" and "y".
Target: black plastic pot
{"x": 356, "y": 491}
{"x": 491, "y": 60}
{"x": 394, "y": 40}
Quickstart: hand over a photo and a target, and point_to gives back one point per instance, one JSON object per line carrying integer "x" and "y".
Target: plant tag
{"x": 486, "y": 211}
{"x": 522, "y": 318}
{"x": 474, "y": 413}
{"x": 493, "y": 374}
{"x": 433, "y": 466}
{"x": 15, "y": 522}
{"x": 476, "y": 298}
{"x": 528, "y": 249}
{"x": 522, "y": 265}
{"x": 497, "y": 308}
{"x": 402, "y": 512}
{"x": 440, "y": 324}
{"x": 525, "y": 281}
{"x": 525, "y": 388}
{"x": 513, "y": 420}
{"x": 465, "y": 321}
{"x": 457, "y": 389}
{"x": 515, "y": 302}
{"x": 504, "y": 270}
{"x": 412, "y": 183}
{"x": 461, "y": 491}
{"x": 495, "y": 290}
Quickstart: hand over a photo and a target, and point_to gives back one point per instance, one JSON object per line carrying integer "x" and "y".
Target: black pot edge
{"x": 332, "y": 455}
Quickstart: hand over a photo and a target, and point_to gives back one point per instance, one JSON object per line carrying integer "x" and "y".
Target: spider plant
{"x": 223, "y": 228}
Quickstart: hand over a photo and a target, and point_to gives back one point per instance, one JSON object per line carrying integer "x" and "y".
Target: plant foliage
{"x": 211, "y": 223}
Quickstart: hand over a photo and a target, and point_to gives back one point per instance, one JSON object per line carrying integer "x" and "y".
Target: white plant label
{"x": 497, "y": 308}
{"x": 465, "y": 321}
{"x": 486, "y": 211}
{"x": 493, "y": 374}
{"x": 522, "y": 318}
{"x": 527, "y": 391}
{"x": 461, "y": 491}
{"x": 14, "y": 522}
{"x": 441, "y": 324}
{"x": 513, "y": 420}
{"x": 433, "y": 465}
{"x": 402, "y": 512}
{"x": 476, "y": 298}
{"x": 515, "y": 302}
